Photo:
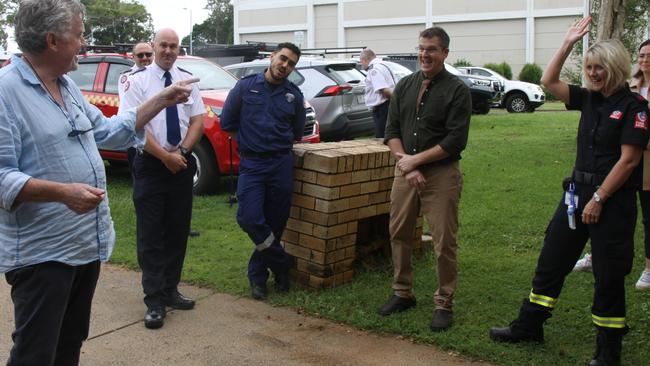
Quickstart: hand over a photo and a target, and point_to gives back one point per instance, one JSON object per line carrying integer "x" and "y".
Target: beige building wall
{"x": 476, "y": 6}
{"x": 482, "y": 42}
{"x": 554, "y": 4}
{"x": 388, "y": 39}
{"x": 326, "y": 25}
{"x": 272, "y": 16}
{"x": 268, "y": 37}
{"x": 381, "y": 9}
{"x": 481, "y": 31}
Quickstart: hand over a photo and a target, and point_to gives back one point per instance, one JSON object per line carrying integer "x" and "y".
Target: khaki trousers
{"x": 438, "y": 202}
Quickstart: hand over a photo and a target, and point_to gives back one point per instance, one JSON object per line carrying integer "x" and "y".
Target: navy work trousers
{"x": 612, "y": 245}
{"x": 163, "y": 207}
{"x": 52, "y": 304}
{"x": 264, "y": 192}
{"x": 379, "y": 116}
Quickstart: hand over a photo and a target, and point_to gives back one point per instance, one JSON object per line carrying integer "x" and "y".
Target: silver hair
{"x": 36, "y": 18}
{"x": 367, "y": 53}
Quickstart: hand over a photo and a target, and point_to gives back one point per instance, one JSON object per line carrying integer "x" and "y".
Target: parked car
{"x": 518, "y": 96}
{"x": 334, "y": 87}
{"x": 97, "y": 77}
{"x": 485, "y": 91}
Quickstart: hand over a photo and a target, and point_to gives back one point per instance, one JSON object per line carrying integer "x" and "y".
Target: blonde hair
{"x": 615, "y": 59}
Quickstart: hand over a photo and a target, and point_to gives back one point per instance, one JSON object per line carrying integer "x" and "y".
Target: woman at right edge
{"x": 612, "y": 134}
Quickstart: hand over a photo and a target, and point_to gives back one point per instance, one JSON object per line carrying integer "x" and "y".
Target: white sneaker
{"x": 584, "y": 264}
{"x": 643, "y": 283}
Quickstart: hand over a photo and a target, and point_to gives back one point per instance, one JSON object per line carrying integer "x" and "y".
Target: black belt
{"x": 591, "y": 179}
{"x": 264, "y": 154}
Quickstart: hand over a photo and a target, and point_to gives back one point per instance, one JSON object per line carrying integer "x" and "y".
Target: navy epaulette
{"x": 138, "y": 70}
{"x": 183, "y": 70}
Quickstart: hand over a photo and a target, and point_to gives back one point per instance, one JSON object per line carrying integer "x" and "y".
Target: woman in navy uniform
{"x": 600, "y": 202}
{"x": 267, "y": 113}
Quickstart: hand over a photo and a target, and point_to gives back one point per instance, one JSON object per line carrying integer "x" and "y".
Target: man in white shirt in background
{"x": 379, "y": 87}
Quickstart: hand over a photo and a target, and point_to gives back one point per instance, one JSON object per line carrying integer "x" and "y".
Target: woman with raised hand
{"x": 599, "y": 202}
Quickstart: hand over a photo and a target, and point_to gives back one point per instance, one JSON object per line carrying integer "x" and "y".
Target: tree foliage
{"x": 217, "y": 28}
{"x": 637, "y": 17}
{"x": 503, "y": 68}
{"x": 113, "y": 21}
{"x": 7, "y": 10}
{"x": 531, "y": 73}
{"x": 462, "y": 62}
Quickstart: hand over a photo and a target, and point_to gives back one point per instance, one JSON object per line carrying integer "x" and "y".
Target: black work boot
{"x": 528, "y": 327}
{"x": 609, "y": 342}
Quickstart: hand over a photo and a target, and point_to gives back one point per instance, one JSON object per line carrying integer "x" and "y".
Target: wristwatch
{"x": 185, "y": 152}
{"x": 597, "y": 198}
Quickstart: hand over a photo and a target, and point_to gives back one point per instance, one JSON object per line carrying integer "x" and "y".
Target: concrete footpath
{"x": 223, "y": 330}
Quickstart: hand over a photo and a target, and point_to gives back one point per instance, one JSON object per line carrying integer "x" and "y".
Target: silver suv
{"x": 334, "y": 87}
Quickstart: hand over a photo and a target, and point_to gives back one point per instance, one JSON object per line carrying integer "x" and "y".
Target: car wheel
{"x": 206, "y": 178}
{"x": 517, "y": 103}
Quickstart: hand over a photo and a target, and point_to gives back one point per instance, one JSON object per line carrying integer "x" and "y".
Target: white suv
{"x": 518, "y": 96}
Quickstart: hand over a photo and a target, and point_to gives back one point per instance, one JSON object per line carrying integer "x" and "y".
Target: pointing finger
{"x": 189, "y": 81}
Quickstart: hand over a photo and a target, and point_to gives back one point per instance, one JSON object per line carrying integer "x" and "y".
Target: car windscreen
{"x": 345, "y": 73}
{"x": 212, "y": 76}
{"x": 84, "y": 75}
{"x": 397, "y": 70}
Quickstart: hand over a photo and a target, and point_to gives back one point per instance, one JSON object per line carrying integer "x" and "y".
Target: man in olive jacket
{"x": 428, "y": 123}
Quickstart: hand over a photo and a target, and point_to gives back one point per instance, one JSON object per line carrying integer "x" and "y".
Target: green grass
{"x": 513, "y": 167}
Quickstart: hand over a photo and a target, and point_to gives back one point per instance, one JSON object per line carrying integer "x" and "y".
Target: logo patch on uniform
{"x": 127, "y": 85}
{"x": 616, "y": 115}
{"x": 123, "y": 79}
{"x": 641, "y": 120}
{"x": 290, "y": 97}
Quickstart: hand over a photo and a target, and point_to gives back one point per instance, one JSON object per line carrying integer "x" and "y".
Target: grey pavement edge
{"x": 223, "y": 330}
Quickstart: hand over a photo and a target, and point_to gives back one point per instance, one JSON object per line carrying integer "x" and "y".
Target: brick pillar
{"x": 335, "y": 185}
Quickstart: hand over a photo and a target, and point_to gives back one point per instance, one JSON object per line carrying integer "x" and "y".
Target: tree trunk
{"x": 611, "y": 19}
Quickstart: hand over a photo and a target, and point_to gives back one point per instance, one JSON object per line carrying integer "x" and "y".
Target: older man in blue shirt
{"x": 55, "y": 225}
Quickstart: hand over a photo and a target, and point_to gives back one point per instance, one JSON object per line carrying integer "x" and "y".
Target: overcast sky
{"x": 165, "y": 14}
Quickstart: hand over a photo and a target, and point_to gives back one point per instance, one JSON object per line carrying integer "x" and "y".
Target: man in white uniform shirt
{"x": 379, "y": 88}
{"x": 163, "y": 172}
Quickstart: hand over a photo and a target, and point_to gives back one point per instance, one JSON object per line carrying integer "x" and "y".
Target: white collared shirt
{"x": 145, "y": 84}
{"x": 379, "y": 77}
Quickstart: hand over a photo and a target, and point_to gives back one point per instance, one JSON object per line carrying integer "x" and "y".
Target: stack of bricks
{"x": 335, "y": 186}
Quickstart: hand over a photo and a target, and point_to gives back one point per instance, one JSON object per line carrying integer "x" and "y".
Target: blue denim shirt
{"x": 34, "y": 142}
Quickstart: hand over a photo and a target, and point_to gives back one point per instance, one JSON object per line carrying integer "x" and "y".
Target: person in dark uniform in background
{"x": 163, "y": 176}
{"x": 267, "y": 114}
{"x": 599, "y": 203}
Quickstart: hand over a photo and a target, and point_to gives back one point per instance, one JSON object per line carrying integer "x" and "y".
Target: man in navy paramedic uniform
{"x": 267, "y": 114}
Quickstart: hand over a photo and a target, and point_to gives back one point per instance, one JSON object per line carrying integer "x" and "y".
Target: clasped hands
{"x": 407, "y": 164}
